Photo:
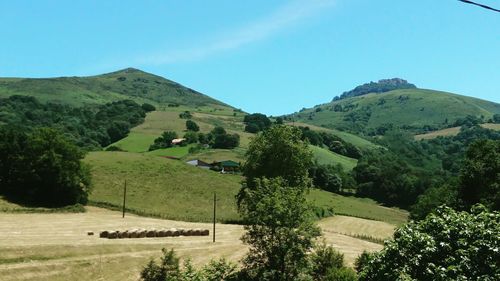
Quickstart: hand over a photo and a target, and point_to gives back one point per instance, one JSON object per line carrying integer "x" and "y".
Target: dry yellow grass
{"x": 449, "y": 132}
{"x": 57, "y": 247}
{"x": 355, "y": 226}
{"x": 440, "y": 133}
{"x": 157, "y": 122}
{"x": 491, "y": 126}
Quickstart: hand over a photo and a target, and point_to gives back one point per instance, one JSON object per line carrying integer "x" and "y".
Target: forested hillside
{"x": 88, "y": 126}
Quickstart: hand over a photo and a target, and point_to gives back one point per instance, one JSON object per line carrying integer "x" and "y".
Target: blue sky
{"x": 264, "y": 56}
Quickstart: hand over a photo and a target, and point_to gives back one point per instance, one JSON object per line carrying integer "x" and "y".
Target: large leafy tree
{"x": 447, "y": 245}
{"x": 280, "y": 230}
{"x": 256, "y": 122}
{"x": 278, "y": 152}
{"x": 42, "y": 168}
{"x": 480, "y": 174}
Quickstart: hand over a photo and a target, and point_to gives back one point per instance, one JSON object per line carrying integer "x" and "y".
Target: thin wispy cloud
{"x": 284, "y": 18}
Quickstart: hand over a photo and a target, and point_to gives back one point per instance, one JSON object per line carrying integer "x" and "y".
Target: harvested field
{"x": 450, "y": 132}
{"x": 57, "y": 247}
{"x": 357, "y": 227}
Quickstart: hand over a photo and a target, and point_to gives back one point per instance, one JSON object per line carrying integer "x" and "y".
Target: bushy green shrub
{"x": 447, "y": 245}
{"x": 169, "y": 269}
{"x": 148, "y": 107}
{"x": 192, "y": 126}
{"x": 362, "y": 260}
{"x": 324, "y": 261}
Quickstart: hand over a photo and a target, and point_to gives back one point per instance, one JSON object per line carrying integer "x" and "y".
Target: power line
{"x": 480, "y": 5}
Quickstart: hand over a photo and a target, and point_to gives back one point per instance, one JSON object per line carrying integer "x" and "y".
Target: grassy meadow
{"x": 161, "y": 187}
{"x": 172, "y": 189}
{"x": 211, "y": 155}
{"x": 352, "y": 206}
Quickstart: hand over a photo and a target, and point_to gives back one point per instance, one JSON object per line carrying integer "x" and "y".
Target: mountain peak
{"x": 382, "y": 86}
{"x": 128, "y": 70}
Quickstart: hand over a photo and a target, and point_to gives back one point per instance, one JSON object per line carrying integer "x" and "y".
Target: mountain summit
{"x": 129, "y": 83}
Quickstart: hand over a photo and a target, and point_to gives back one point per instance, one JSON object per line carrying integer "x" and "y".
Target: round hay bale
{"x": 160, "y": 233}
{"x": 142, "y": 233}
{"x": 104, "y": 234}
{"x": 134, "y": 233}
{"x": 151, "y": 233}
{"x": 113, "y": 235}
{"x": 182, "y": 232}
{"x": 169, "y": 233}
{"x": 205, "y": 232}
{"x": 190, "y": 232}
{"x": 197, "y": 232}
{"x": 124, "y": 234}
{"x": 176, "y": 232}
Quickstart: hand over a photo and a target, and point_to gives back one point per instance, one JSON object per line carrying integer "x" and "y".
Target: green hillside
{"x": 326, "y": 157}
{"x": 173, "y": 189}
{"x": 124, "y": 84}
{"x": 345, "y": 136}
{"x": 411, "y": 109}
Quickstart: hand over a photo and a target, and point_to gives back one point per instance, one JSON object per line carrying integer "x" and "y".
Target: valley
{"x": 350, "y": 141}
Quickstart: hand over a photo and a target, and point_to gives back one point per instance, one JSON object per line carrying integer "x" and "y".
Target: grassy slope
{"x": 124, "y": 84}
{"x": 163, "y": 187}
{"x": 348, "y": 137}
{"x": 324, "y": 156}
{"x": 358, "y": 207}
{"x": 424, "y": 107}
{"x": 172, "y": 189}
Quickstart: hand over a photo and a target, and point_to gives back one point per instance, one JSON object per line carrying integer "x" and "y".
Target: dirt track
{"x": 57, "y": 247}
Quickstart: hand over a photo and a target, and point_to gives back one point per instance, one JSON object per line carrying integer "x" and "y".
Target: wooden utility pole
{"x": 215, "y": 207}
{"x": 124, "y": 196}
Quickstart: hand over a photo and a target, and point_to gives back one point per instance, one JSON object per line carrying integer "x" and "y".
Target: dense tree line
{"x": 91, "y": 127}
{"x": 387, "y": 178}
{"x": 428, "y": 170}
{"x": 451, "y": 150}
{"x": 217, "y": 138}
{"x": 477, "y": 182}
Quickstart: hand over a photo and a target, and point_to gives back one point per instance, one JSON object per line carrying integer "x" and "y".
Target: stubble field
{"x": 57, "y": 247}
